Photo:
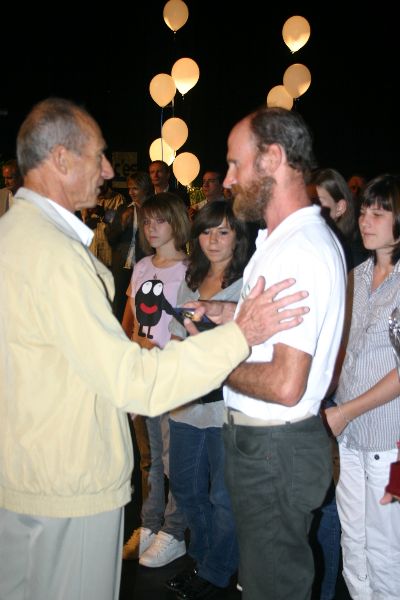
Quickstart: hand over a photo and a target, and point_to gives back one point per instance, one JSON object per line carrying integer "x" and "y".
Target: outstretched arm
{"x": 260, "y": 315}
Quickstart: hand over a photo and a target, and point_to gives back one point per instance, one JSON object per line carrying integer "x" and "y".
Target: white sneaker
{"x": 140, "y": 540}
{"x": 163, "y": 550}
{"x": 239, "y": 587}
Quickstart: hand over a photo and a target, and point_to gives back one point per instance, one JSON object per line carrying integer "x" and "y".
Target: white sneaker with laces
{"x": 163, "y": 550}
{"x": 139, "y": 542}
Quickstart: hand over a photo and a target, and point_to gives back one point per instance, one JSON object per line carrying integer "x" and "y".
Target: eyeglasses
{"x": 206, "y": 181}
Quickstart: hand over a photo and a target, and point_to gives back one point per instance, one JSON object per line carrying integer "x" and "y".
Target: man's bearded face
{"x": 251, "y": 201}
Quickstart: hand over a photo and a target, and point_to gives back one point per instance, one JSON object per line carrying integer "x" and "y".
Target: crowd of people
{"x": 281, "y": 420}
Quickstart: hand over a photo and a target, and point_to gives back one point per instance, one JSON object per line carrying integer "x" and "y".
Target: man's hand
{"x": 261, "y": 316}
{"x": 217, "y": 310}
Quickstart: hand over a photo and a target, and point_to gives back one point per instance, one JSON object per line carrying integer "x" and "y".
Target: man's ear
{"x": 60, "y": 159}
{"x": 272, "y": 158}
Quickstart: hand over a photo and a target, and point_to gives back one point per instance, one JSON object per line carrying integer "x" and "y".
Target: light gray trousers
{"x": 60, "y": 559}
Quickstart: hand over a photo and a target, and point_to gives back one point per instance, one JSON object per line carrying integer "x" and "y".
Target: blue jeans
{"x": 329, "y": 529}
{"x": 156, "y": 515}
{"x": 328, "y": 536}
{"x": 197, "y": 482}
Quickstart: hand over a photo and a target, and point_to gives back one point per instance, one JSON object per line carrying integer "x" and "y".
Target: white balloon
{"x": 297, "y": 80}
{"x": 186, "y": 167}
{"x": 175, "y": 14}
{"x": 175, "y": 132}
{"x": 160, "y": 150}
{"x": 296, "y": 32}
{"x": 162, "y": 89}
{"x": 185, "y": 73}
{"x": 279, "y": 96}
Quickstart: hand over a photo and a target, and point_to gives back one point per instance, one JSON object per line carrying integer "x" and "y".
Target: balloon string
{"x": 161, "y": 124}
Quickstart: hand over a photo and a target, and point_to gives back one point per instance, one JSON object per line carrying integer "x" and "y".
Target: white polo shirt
{"x": 304, "y": 247}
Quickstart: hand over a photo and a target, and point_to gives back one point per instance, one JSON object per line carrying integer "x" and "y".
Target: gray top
{"x": 369, "y": 357}
{"x": 198, "y": 414}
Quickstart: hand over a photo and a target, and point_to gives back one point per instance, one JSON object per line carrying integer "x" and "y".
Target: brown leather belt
{"x": 235, "y": 417}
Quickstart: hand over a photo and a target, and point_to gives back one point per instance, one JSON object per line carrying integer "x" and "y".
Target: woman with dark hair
{"x": 328, "y": 188}
{"x": 219, "y": 251}
{"x": 367, "y": 418}
{"x": 202, "y": 263}
{"x": 337, "y": 202}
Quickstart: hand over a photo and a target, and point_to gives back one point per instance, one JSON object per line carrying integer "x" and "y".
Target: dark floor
{"x": 143, "y": 583}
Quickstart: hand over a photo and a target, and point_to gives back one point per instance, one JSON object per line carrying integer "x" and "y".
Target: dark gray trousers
{"x": 276, "y": 477}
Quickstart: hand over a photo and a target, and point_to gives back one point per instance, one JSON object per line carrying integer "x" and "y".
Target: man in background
{"x": 212, "y": 189}
{"x": 160, "y": 175}
{"x": 12, "y": 180}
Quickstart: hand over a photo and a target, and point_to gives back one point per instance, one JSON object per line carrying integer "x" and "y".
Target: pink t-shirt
{"x": 154, "y": 291}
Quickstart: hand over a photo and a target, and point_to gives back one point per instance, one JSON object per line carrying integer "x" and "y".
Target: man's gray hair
{"x": 51, "y": 122}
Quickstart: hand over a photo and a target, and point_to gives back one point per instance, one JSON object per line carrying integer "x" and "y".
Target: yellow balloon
{"x": 296, "y": 32}
{"x": 175, "y": 132}
{"x": 162, "y": 89}
{"x": 160, "y": 150}
{"x": 175, "y": 14}
{"x": 279, "y": 96}
{"x": 186, "y": 167}
{"x": 185, "y": 73}
{"x": 297, "y": 80}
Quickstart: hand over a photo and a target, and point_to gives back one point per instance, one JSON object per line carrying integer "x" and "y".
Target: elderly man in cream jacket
{"x": 69, "y": 375}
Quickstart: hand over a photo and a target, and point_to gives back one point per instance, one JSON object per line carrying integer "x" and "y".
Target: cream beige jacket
{"x": 69, "y": 375}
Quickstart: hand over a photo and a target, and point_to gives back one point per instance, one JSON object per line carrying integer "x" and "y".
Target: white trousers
{"x": 60, "y": 559}
{"x": 370, "y": 531}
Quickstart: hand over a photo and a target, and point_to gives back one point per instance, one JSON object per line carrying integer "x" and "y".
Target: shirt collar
{"x": 83, "y": 231}
{"x": 70, "y": 221}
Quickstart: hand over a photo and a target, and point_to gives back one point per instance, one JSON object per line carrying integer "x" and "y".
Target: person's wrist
{"x": 342, "y": 414}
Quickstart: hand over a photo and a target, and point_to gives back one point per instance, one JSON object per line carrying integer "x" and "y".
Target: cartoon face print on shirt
{"x": 149, "y": 303}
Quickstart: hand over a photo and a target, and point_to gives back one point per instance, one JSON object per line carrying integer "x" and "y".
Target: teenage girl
{"x": 163, "y": 232}
{"x": 367, "y": 418}
{"x": 215, "y": 270}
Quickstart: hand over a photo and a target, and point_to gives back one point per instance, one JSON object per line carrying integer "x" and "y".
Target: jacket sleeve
{"x": 93, "y": 344}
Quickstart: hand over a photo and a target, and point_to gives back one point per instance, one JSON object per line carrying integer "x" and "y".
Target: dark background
{"x": 106, "y": 58}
